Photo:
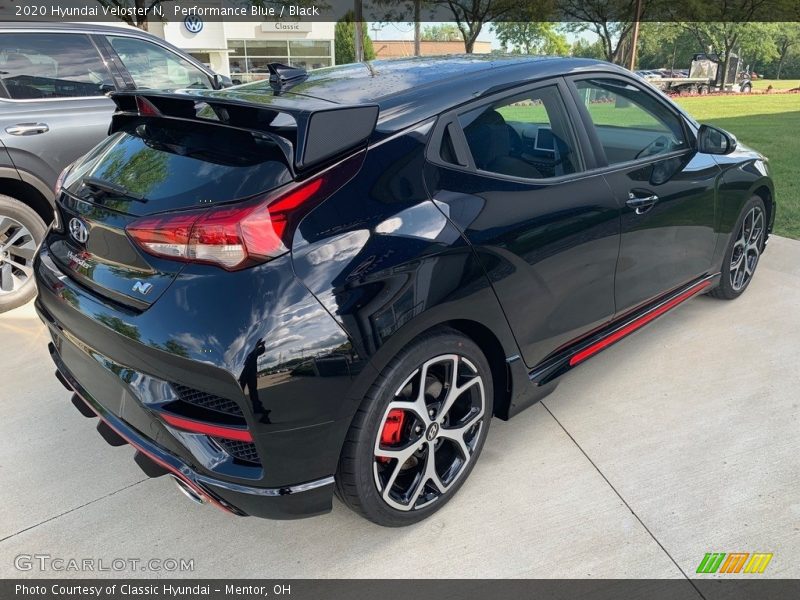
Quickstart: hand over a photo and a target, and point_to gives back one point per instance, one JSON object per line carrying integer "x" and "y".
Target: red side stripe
{"x": 617, "y": 335}
{"x": 229, "y": 433}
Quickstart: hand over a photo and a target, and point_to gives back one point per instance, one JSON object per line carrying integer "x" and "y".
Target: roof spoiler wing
{"x": 324, "y": 131}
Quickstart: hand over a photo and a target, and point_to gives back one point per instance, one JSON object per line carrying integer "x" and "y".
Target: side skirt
{"x": 577, "y": 352}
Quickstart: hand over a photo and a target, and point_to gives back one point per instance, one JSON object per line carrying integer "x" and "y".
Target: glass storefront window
{"x": 309, "y": 63}
{"x": 309, "y": 48}
{"x": 248, "y": 59}
{"x": 265, "y": 47}
{"x": 235, "y": 47}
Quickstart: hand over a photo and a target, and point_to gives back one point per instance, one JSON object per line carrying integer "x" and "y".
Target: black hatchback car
{"x": 331, "y": 282}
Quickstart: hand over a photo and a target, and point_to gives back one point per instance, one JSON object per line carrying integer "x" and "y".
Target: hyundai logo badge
{"x": 78, "y": 230}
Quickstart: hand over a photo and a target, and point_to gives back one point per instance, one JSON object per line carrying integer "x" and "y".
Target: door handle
{"x": 641, "y": 204}
{"x": 27, "y": 128}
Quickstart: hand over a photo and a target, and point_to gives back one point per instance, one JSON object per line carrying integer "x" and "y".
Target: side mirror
{"x": 221, "y": 81}
{"x": 712, "y": 140}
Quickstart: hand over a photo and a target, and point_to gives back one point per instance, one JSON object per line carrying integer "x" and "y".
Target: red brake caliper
{"x": 392, "y": 430}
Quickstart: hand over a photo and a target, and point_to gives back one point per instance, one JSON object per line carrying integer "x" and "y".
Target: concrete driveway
{"x": 682, "y": 440}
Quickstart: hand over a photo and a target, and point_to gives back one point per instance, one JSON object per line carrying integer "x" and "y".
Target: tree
{"x": 344, "y": 38}
{"x": 722, "y": 38}
{"x": 532, "y": 37}
{"x": 137, "y": 20}
{"x": 665, "y": 45}
{"x": 724, "y": 26}
{"x": 584, "y": 49}
{"x": 610, "y": 20}
{"x": 788, "y": 37}
{"x": 446, "y": 32}
{"x": 471, "y": 15}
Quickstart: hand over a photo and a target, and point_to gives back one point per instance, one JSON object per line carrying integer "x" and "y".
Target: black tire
{"x": 360, "y": 469}
{"x": 21, "y": 231}
{"x": 703, "y": 90}
{"x": 747, "y": 88}
{"x": 728, "y": 288}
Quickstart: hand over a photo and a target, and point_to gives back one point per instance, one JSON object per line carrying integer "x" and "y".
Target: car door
{"x": 666, "y": 188}
{"x": 54, "y": 107}
{"x": 510, "y": 173}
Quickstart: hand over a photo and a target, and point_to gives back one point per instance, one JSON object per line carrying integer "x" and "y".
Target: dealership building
{"x": 242, "y": 50}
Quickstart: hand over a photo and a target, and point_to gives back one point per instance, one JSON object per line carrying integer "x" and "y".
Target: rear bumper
{"x": 289, "y": 502}
{"x": 122, "y": 364}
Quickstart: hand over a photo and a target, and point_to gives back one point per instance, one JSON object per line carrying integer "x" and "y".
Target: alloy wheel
{"x": 429, "y": 432}
{"x": 747, "y": 249}
{"x": 17, "y": 248}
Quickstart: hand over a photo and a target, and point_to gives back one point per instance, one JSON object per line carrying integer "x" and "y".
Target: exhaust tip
{"x": 187, "y": 491}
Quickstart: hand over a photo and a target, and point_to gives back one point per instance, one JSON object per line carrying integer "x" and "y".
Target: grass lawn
{"x": 770, "y": 124}
{"x": 777, "y": 84}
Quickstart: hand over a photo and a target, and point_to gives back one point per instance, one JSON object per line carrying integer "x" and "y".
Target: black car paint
{"x": 524, "y": 268}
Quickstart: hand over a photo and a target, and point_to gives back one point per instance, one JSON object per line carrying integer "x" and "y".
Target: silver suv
{"x": 54, "y": 107}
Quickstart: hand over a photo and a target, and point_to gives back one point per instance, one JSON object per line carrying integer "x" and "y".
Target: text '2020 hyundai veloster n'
{"x": 331, "y": 282}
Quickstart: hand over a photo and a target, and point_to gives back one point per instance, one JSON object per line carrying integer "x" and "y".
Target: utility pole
{"x": 359, "y": 45}
{"x": 635, "y": 37}
{"x": 417, "y": 33}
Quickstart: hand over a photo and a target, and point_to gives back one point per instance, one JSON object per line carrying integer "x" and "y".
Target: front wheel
{"x": 21, "y": 232}
{"x": 743, "y": 252}
{"x": 419, "y": 431}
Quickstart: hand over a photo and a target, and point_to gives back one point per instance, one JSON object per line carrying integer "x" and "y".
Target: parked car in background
{"x": 54, "y": 81}
{"x": 334, "y": 280}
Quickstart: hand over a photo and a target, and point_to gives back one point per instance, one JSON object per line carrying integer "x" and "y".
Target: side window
{"x": 526, "y": 136}
{"x": 46, "y": 65}
{"x": 155, "y": 68}
{"x": 629, "y": 122}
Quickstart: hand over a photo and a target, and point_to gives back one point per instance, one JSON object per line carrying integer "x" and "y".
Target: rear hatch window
{"x": 158, "y": 167}
{"x": 151, "y": 167}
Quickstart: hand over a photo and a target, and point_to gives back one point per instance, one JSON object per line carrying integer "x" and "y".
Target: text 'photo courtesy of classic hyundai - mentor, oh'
{"x": 330, "y": 282}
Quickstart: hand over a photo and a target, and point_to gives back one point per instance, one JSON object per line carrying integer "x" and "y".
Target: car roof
{"x": 409, "y": 90}
{"x": 68, "y": 27}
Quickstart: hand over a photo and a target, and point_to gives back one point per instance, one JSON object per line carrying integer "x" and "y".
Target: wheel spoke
{"x": 401, "y": 454}
{"x": 457, "y": 436}
{"x": 6, "y": 278}
{"x": 25, "y": 252}
{"x": 454, "y": 393}
{"x": 21, "y": 233}
{"x": 5, "y": 224}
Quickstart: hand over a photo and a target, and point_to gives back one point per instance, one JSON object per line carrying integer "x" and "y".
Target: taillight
{"x": 60, "y": 181}
{"x": 234, "y": 236}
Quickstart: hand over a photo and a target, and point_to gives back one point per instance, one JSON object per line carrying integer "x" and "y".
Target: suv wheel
{"x": 744, "y": 250}
{"x": 21, "y": 232}
{"x": 418, "y": 432}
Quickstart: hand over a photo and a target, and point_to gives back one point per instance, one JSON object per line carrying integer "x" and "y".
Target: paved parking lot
{"x": 682, "y": 440}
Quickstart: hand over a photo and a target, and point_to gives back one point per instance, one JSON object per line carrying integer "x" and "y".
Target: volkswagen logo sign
{"x": 193, "y": 24}
{"x": 78, "y": 230}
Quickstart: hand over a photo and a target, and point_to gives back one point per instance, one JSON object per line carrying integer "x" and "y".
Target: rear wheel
{"x": 418, "y": 432}
{"x": 744, "y": 251}
{"x": 21, "y": 232}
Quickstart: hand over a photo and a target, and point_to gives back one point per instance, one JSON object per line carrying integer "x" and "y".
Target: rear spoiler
{"x": 324, "y": 130}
